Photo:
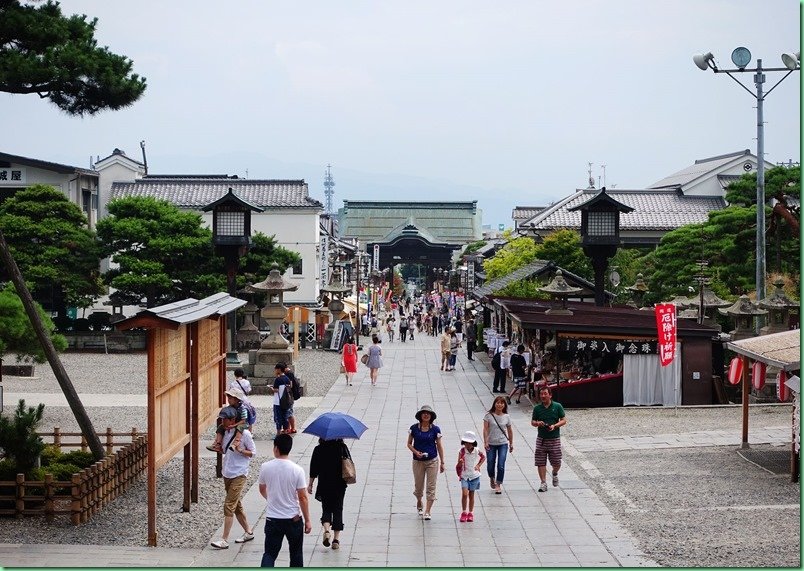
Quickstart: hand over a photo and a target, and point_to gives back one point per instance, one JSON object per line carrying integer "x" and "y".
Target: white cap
{"x": 469, "y": 436}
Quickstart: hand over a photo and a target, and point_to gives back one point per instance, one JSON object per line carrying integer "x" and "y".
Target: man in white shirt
{"x": 283, "y": 483}
{"x": 235, "y": 472}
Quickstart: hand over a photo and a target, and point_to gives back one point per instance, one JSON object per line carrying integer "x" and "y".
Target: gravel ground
{"x": 127, "y": 516}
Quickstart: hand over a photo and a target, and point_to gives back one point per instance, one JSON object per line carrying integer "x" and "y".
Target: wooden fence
{"x": 88, "y": 491}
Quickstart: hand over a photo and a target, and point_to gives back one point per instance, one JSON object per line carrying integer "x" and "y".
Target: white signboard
{"x": 13, "y": 176}
{"x": 324, "y": 260}
{"x": 470, "y": 276}
{"x": 375, "y": 264}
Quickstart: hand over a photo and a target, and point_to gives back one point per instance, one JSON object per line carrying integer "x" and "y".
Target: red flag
{"x": 666, "y": 328}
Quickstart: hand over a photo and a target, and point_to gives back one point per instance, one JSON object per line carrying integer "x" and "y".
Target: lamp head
{"x": 704, "y": 61}
{"x": 791, "y": 60}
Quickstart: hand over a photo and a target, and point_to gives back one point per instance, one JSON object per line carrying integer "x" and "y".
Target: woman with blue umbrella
{"x": 326, "y": 465}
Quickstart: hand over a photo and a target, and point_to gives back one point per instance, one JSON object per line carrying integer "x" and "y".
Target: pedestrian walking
{"x": 471, "y": 339}
{"x": 295, "y": 390}
{"x": 454, "y": 343}
{"x": 374, "y": 362}
{"x": 235, "y": 473}
{"x": 500, "y": 363}
{"x": 445, "y": 351}
{"x": 424, "y": 441}
{"x": 349, "y": 359}
{"x": 326, "y": 465}
{"x": 287, "y": 514}
{"x": 389, "y": 328}
{"x": 548, "y": 417}
{"x": 498, "y": 440}
{"x": 403, "y": 328}
{"x": 470, "y": 459}
{"x": 235, "y": 398}
{"x": 281, "y": 384}
{"x": 458, "y": 325}
{"x": 519, "y": 373}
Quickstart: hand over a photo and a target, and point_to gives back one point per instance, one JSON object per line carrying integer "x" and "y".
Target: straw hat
{"x": 426, "y": 408}
{"x": 236, "y": 393}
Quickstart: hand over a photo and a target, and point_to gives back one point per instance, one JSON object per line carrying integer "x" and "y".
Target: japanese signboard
{"x": 324, "y": 260}
{"x": 13, "y": 175}
{"x": 375, "y": 262}
{"x": 617, "y": 346}
{"x": 666, "y": 328}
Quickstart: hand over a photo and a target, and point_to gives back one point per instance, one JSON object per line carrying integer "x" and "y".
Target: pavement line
{"x": 737, "y": 508}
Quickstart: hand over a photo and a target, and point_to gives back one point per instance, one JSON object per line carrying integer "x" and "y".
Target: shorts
{"x": 471, "y": 485}
{"x": 547, "y": 447}
{"x": 520, "y": 382}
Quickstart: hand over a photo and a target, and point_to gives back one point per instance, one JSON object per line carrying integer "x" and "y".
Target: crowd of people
{"x": 284, "y": 486}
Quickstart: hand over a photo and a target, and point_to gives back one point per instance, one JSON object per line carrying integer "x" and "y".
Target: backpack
{"x": 252, "y": 412}
{"x": 286, "y": 400}
{"x": 295, "y": 388}
{"x": 496, "y": 360}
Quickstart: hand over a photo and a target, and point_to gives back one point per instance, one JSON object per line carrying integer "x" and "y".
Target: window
{"x": 297, "y": 268}
{"x": 601, "y": 224}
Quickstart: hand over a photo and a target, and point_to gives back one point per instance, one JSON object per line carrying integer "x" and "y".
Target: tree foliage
{"x": 17, "y": 335}
{"x": 563, "y": 248}
{"x": 162, "y": 254}
{"x": 18, "y": 437}
{"x": 778, "y": 180}
{"x": 515, "y": 254}
{"x": 55, "y": 250}
{"x": 43, "y": 51}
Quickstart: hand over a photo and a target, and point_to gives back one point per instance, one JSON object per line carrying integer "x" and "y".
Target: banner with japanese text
{"x": 666, "y": 327}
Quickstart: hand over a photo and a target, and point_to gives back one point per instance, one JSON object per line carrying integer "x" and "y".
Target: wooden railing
{"x": 88, "y": 491}
{"x": 77, "y": 440}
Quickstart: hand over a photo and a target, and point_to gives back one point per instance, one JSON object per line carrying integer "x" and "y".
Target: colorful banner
{"x": 666, "y": 328}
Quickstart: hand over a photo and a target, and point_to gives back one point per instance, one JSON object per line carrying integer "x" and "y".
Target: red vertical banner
{"x": 666, "y": 327}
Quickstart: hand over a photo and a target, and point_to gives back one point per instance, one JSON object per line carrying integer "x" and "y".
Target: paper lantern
{"x": 782, "y": 389}
{"x": 735, "y": 371}
{"x": 758, "y": 374}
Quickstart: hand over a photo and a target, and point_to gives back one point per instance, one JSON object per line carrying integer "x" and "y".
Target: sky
{"x": 501, "y": 102}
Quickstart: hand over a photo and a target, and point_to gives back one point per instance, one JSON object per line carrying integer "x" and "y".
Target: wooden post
{"x": 192, "y": 452}
{"x": 57, "y": 437}
{"x": 75, "y": 504}
{"x": 296, "y": 316}
{"x": 746, "y": 391}
{"x": 49, "y": 506}
{"x": 133, "y": 434}
{"x": 19, "y": 506}
{"x": 109, "y": 440}
{"x": 151, "y": 468}
{"x": 83, "y": 443}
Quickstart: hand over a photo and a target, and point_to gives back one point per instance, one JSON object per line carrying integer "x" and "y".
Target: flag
{"x": 666, "y": 328}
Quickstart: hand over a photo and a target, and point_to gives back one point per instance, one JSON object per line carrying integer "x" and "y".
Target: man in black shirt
{"x": 519, "y": 372}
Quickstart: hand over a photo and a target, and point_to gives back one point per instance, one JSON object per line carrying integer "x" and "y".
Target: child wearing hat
{"x": 235, "y": 397}
{"x": 470, "y": 459}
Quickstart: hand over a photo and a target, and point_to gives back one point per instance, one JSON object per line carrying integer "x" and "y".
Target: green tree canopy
{"x": 16, "y": 332}
{"x": 778, "y": 180}
{"x": 50, "y": 240}
{"x": 57, "y": 57}
{"x": 515, "y": 254}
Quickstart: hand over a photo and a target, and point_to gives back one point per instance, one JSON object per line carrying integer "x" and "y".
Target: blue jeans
{"x": 275, "y": 531}
{"x": 498, "y": 454}
{"x": 280, "y": 418}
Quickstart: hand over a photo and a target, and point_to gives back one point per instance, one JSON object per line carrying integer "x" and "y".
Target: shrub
{"x": 50, "y": 454}
{"x": 79, "y": 458}
{"x": 62, "y": 472}
{"x": 8, "y": 470}
{"x": 18, "y": 436}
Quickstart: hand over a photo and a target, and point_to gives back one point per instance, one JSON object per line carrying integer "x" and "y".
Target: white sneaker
{"x": 222, "y": 544}
{"x": 244, "y": 538}
{"x": 555, "y": 480}
{"x": 543, "y": 487}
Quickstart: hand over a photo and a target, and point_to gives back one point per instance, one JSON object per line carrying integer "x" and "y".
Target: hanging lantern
{"x": 781, "y": 387}
{"x": 758, "y": 374}
{"x": 735, "y": 371}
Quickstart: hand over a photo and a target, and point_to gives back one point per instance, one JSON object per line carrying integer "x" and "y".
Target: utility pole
{"x": 50, "y": 351}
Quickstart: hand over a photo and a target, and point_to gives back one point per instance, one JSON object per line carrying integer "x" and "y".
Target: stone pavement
{"x": 567, "y": 526}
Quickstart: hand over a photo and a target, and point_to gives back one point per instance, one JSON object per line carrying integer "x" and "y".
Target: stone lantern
{"x": 337, "y": 291}
{"x": 779, "y": 306}
{"x": 709, "y": 300}
{"x": 248, "y": 336}
{"x": 743, "y": 312}
{"x": 638, "y": 291}
{"x": 275, "y": 348}
{"x": 560, "y": 289}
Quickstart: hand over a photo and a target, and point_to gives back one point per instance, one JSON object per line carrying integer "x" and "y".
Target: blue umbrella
{"x": 333, "y": 425}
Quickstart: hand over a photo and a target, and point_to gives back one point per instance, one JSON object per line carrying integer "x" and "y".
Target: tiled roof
{"x": 536, "y": 268}
{"x": 700, "y": 168}
{"x": 46, "y": 165}
{"x": 195, "y": 193}
{"x": 525, "y": 212}
{"x": 653, "y": 210}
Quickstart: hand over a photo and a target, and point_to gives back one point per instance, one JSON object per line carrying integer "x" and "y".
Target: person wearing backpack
{"x": 500, "y": 364}
{"x": 281, "y": 392}
{"x": 241, "y": 382}
{"x": 295, "y": 391}
{"x": 403, "y": 328}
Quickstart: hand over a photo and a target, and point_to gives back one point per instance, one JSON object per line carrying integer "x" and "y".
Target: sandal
{"x": 336, "y": 544}
{"x": 215, "y": 448}
{"x": 420, "y": 509}
{"x": 326, "y": 539}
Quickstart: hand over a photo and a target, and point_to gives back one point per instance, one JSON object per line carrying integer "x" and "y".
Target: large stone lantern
{"x": 274, "y": 348}
{"x": 638, "y": 291}
{"x": 743, "y": 312}
{"x": 337, "y": 291}
{"x": 779, "y": 306}
{"x": 560, "y": 289}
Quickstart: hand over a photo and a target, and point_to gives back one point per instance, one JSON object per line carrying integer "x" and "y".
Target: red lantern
{"x": 758, "y": 374}
{"x": 781, "y": 387}
{"x": 735, "y": 371}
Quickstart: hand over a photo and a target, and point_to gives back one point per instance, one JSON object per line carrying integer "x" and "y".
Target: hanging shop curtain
{"x": 646, "y": 382}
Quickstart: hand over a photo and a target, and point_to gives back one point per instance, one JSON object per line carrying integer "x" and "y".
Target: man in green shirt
{"x": 548, "y": 417}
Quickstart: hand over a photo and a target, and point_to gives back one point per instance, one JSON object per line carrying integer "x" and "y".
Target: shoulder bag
{"x": 494, "y": 416}
{"x": 348, "y": 472}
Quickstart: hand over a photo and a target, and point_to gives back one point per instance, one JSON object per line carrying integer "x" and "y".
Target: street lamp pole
{"x": 741, "y": 57}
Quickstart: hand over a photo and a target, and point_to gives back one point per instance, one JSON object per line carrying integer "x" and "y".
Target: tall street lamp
{"x": 741, "y": 57}
{"x": 231, "y": 235}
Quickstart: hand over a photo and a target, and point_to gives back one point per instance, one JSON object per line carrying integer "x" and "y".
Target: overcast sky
{"x": 502, "y": 102}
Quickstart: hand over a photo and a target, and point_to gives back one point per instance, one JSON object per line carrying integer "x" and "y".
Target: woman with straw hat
{"x": 424, "y": 441}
